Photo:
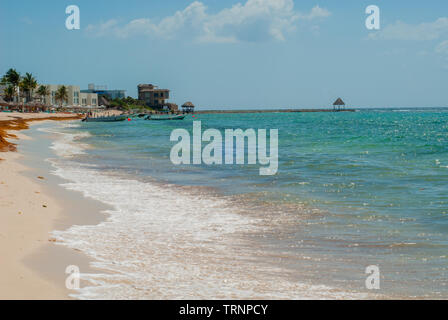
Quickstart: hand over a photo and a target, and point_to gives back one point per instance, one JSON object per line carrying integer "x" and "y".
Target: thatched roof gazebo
{"x": 188, "y": 107}
{"x": 4, "y": 105}
{"x": 102, "y": 100}
{"x": 338, "y": 105}
{"x": 172, "y": 107}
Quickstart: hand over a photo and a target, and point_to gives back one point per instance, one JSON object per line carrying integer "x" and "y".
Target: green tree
{"x": 12, "y": 78}
{"x": 9, "y": 93}
{"x": 61, "y": 95}
{"x": 28, "y": 85}
{"x": 43, "y": 91}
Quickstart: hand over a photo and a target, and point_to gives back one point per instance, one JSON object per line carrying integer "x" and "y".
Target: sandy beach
{"x": 27, "y": 215}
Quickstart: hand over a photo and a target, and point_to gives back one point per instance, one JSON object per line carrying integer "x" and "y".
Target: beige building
{"x": 75, "y": 97}
{"x": 153, "y": 96}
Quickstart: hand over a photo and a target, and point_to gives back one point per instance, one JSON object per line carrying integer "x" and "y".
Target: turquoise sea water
{"x": 352, "y": 190}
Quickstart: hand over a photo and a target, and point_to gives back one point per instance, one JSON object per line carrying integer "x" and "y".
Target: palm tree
{"x": 12, "y": 77}
{"x": 22, "y": 90}
{"x": 43, "y": 91}
{"x": 28, "y": 84}
{"x": 9, "y": 93}
{"x": 61, "y": 94}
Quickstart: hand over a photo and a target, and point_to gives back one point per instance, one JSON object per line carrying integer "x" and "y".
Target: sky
{"x": 237, "y": 54}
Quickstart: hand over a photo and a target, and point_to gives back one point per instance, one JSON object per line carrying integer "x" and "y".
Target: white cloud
{"x": 103, "y": 28}
{"x": 442, "y": 48}
{"x": 427, "y": 31}
{"x": 316, "y": 12}
{"x": 255, "y": 20}
{"x": 442, "y": 51}
{"x": 420, "y": 32}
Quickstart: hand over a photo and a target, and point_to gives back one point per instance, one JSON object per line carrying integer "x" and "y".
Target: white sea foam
{"x": 164, "y": 242}
{"x": 66, "y": 145}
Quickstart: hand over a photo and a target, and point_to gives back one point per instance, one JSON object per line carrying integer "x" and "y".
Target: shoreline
{"x": 33, "y": 205}
{"x": 20, "y": 121}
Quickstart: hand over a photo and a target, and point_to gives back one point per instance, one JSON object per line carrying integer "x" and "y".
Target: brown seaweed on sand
{"x": 6, "y": 126}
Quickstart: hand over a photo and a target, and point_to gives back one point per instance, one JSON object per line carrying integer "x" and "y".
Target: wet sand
{"x": 32, "y": 204}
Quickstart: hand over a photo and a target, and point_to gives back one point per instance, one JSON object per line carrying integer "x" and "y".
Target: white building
{"x": 76, "y": 98}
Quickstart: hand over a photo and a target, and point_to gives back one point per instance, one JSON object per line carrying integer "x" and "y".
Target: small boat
{"x": 166, "y": 117}
{"x": 138, "y": 115}
{"x": 105, "y": 119}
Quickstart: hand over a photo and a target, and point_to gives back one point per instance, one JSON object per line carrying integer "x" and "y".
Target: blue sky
{"x": 238, "y": 54}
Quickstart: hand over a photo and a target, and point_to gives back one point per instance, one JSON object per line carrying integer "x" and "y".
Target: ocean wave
{"x": 167, "y": 242}
{"x": 67, "y": 144}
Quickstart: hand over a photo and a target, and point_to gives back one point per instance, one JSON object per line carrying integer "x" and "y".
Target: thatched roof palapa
{"x": 102, "y": 100}
{"x": 188, "y": 104}
{"x": 339, "y": 102}
{"x": 172, "y": 106}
